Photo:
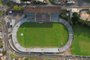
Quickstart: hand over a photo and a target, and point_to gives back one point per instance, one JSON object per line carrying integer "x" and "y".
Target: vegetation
{"x": 63, "y": 15}
{"x": 87, "y": 1}
{"x": 0, "y": 2}
{"x": 26, "y": 59}
{"x": 4, "y": 52}
{"x": 81, "y": 42}
{"x": 88, "y": 12}
{"x": 17, "y": 8}
{"x": 84, "y": 23}
{"x": 1, "y": 13}
{"x": 75, "y": 18}
{"x": 9, "y": 4}
{"x": 42, "y": 35}
{"x": 1, "y": 44}
{"x": 13, "y": 56}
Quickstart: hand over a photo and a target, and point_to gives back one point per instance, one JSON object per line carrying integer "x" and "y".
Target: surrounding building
{"x": 19, "y": 1}
{"x": 85, "y": 15}
{"x": 64, "y": 1}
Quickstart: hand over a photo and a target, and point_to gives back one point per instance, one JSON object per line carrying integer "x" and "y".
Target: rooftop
{"x": 43, "y": 9}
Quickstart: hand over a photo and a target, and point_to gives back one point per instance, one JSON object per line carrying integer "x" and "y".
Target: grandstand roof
{"x": 42, "y": 9}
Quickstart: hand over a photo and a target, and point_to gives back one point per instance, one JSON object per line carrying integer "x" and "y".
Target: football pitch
{"x": 32, "y": 35}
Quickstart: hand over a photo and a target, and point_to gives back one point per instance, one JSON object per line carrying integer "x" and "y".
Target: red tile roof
{"x": 42, "y": 9}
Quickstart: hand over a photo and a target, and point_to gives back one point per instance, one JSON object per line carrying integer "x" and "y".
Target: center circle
{"x": 32, "y": 35}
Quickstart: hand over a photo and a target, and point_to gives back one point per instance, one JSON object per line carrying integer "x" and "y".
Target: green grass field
{"x": 81, "y": 42}
{"x": 0, "y": 2}
{"x": 42, "y": 35}
{"x": 87, "y": 1}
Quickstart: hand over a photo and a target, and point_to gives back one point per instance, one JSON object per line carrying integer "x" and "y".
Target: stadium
{"x": 42, "y": 32}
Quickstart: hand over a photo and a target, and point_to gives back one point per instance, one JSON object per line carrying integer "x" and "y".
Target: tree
{"x": 75, "y": 18}
{"x": 1, "y": 13}
{"x": 26, "y": 59}
{"x": 88, "y": 12}
{"x": 64, "y": 15}
{"x": 13, "y": 55}
{"x": 17, "y": 8}
{"x": 4, "y": 52}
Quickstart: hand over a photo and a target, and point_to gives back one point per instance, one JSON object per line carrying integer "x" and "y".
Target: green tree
{"x": 17, "y": 8}
{"x": 13, "y": 55}
{"x": 75, "y": 18}
{"x": 4, "y": 52}
{"x": 26, "y": 59}
{"x": 1, "y": 13}
{"x": 88, "y": 12}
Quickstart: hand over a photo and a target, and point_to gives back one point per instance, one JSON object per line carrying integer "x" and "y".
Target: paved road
{"x": 5, "y": 39}
{"x": 5, "y": 32}
{"x": 5, "y": 36}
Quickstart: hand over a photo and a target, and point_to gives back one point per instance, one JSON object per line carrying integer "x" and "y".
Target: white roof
{"x": 70, "y": 1}
{"x": 75, "y": 10}
{"x": 17, "y": 1}
{"x": 40, "y": 0}
{"x": 1, "y": 54}
{"x": 12, "y": 22}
